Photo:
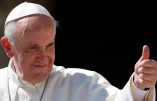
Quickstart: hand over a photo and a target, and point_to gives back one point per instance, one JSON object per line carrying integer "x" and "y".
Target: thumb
{"x": 145, "y": 53}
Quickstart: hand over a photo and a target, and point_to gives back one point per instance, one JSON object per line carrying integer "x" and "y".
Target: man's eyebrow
{"x": 36, "y": 45}
{"x": 33, "y": 45}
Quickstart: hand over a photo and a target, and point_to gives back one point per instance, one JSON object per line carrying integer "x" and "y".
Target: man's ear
{"x": 7, "y": 47}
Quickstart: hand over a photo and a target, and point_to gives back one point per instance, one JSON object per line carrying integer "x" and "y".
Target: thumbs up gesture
{"x": 145, "y": 70}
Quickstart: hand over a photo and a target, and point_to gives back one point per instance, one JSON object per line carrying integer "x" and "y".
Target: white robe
{"x": 71, "y": 84}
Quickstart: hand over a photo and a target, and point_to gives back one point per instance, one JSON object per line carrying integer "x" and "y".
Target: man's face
{"x": 34, "y": 49}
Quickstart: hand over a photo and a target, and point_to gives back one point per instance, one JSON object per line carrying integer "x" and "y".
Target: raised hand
{"x": 145, "y": 70}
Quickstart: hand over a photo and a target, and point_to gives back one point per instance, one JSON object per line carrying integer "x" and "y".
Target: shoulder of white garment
{"x": 81, "y": 74}
{"x": 26, "y": 9}
{"x": 83, "y": 82}
{"x": 74, "y": 71}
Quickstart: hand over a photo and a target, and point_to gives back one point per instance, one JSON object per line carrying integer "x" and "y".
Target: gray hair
{"x": 10, "y": 30}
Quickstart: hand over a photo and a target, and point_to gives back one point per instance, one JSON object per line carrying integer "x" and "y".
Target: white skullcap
{"x": 25, "y": 9}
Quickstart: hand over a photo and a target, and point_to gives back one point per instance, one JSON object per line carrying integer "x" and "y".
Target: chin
{"x": 39, "y": 77}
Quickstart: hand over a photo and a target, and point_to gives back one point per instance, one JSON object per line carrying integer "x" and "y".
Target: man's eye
{"x": 50, "y": 46}
{"x": 32, "y": 49}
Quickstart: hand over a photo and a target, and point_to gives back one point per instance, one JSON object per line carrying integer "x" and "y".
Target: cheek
{"x": 52, "y": 54}
{"x": 51, "y": 57}
{"x": 27, "y": 59}
{"x": 46, "y": 57}
{"x": 23, "y": 62}
{"x": 34, "y": 57}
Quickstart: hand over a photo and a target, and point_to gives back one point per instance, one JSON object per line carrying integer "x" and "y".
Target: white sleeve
{"x": 131, "y": 93}
{"x": 101, "y": 90}
{"x": 138, "y": 92}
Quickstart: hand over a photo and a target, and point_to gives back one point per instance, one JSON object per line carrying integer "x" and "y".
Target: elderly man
{"x": 29, "y": 42}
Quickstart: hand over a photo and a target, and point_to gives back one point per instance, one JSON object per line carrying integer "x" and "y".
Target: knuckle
{"x": 141, "y": 76}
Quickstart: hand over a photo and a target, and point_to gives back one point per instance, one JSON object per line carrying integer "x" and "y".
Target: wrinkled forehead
{"x": 35, "y": 27}
{"x": 34, "y": 23}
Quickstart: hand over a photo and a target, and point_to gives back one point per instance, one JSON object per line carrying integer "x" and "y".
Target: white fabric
{"x": 25, "y": 9}
{"x": 22, "y": 90}
{"x": 141, "y": 93}
{"x": 65, "y": 85}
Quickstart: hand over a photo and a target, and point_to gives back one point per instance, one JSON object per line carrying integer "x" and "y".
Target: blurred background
{"x": 106, "y": 37}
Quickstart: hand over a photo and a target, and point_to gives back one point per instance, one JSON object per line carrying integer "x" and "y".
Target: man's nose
{"x": 42, "y": 53}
